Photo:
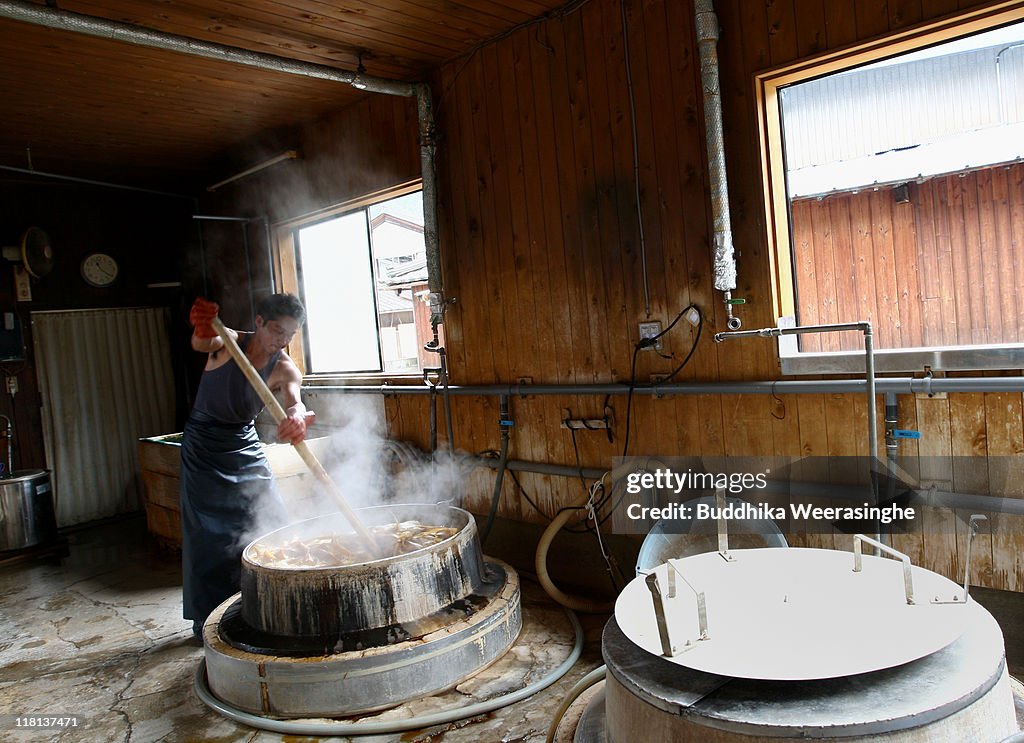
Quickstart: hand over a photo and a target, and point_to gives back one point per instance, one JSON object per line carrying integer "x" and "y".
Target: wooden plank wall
{"x": 918, "y": 274}
{"x": 542, "y": 251}
{"x": 540, "y": 235}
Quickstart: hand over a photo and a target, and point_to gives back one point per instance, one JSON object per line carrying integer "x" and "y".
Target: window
{"x": 362, "y": 274}
{"x": 894, "y": 177}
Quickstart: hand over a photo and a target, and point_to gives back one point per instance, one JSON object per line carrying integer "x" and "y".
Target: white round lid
{"x": 794, "y": 614}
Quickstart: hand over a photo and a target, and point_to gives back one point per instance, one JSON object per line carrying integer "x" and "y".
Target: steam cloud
{"x": 368, "y": 469}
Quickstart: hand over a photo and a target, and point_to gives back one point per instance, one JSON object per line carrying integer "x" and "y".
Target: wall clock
{"x": 99, "y": 269}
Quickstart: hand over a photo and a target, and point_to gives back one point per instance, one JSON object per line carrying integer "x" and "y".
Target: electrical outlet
{"x": 650, "y": 330}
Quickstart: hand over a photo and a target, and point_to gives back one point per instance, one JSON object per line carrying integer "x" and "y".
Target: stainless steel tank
{"x": 778, "y": 645}
{"x": 26, "y": 510}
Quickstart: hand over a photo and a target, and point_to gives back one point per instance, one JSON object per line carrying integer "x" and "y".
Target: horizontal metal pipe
{"x": 542, "y": 468}
{"x": 214, "y": 218}
{"x": 93, "y": 182}
{"x": 799, "y": 489}
{"x": 289, "y": 155}
{"x": 896, "y": 385}
{"x": 63, "y": 20}
{"x": 798, "y": 330}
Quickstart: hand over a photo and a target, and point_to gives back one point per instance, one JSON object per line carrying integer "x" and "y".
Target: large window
{"x": 895, "y": 184}
{"x": 362, "y": 275}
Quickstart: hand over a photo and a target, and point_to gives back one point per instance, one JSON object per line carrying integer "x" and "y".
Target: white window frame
{"x": 777, "y": 215}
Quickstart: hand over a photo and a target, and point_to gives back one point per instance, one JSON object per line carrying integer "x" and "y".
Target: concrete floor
{"x": 98, "y": 634}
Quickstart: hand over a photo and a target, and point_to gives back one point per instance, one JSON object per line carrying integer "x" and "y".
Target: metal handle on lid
{"x": 668, "y": 647}
{"x": 908, "y": 578}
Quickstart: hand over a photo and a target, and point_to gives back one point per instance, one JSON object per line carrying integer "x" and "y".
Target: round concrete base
{"x": 350, "y": 683}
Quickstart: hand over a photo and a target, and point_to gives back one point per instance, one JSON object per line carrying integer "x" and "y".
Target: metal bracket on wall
{"x": 589, "y": 424}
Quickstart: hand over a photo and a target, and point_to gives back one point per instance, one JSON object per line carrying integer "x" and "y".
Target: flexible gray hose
{"x": 595, "y": 676}
{"x": 347, "y": 728}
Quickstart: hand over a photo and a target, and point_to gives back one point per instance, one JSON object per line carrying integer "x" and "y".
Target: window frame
{"x": 286, "y": 279}
{"x": 778, "y": 215}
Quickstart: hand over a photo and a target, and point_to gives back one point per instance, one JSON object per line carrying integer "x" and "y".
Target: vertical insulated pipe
{"x": 428, "y": 172}
{"x": 724, "y": 259}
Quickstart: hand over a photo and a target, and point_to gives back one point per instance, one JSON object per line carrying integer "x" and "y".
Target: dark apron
{"x": 224, "y": 476}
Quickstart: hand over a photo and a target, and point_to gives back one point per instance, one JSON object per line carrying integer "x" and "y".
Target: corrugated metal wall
{"x": 902, "y": 105}
{"x": 105, "y": 379}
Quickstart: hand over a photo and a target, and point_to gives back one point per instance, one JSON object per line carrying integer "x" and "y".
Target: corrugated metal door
{"x": 105, "y": 379}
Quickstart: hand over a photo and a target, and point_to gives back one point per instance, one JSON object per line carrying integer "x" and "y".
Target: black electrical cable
{"x": 700, "y": 327}
{"x": 678, "y": 317}
{"x": 629, "y": 399}
{"x": 526, "y": 495}
{"x": 579, "y": 464}
{"x": 649, "y": 343}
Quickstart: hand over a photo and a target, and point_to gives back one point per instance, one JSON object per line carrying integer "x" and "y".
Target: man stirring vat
{"x": 224, "y": 472}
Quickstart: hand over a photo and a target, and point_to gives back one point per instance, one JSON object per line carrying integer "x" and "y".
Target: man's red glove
{"x": 201, "y": 315}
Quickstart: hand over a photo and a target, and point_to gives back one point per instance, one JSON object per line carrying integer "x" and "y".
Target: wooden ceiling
{"x": 91, "y": 107}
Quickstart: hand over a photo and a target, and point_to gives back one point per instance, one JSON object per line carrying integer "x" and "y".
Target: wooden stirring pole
{"x": 301, "y": 447}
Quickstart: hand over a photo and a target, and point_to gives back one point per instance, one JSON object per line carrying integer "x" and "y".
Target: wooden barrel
{"x": 390, "y": 594}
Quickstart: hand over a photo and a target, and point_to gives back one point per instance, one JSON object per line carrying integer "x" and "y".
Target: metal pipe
{"x": 202, "y": 258}
{"x": 51, "y": 17}
{"x": 796, "y": 489}
{"x": 543, "y": 468}
{"x": 795, "y": 330}
{"x": 289, "y": 155}
{"x": 248, "y": 270}
{"x": 896, "y": 385}
{"x": 891, "y": 421}
{"x": 428, "y": 174}
{"x": 63, "y": 20}
{"x": 270, "y": 254}
{"x": 10, "y": 446}
{"x": 724, "y": 254}
{"x": 999, "y": 79}
{"x": 869, "y": 375}
{"x": 91, "y": 182}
